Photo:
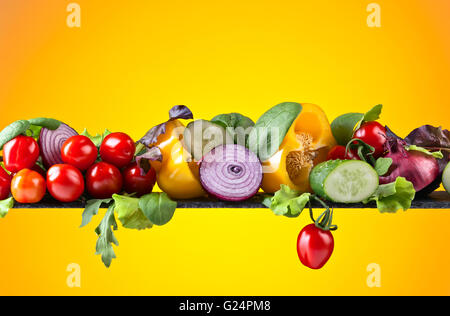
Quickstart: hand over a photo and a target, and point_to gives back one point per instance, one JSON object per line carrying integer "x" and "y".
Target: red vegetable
{"x": 5, "y": 184}
{"x": 28, "y": 186}
{"x": 338, "y": 153}
{"x": 417, "y": 167}
{"x": 231, "y": 173}
{"x": 315, "y": 246}
{"x": 103, "y": 180}
{"x": 51, "y": 143}
{"x": 20, "y": 153}
{"x": 79, "y": 151}
{"x": 373, "y": 134}
{"x": 117, "y": 149}
{"x": 136, "y": 180}
{"x": 65, "y": 183}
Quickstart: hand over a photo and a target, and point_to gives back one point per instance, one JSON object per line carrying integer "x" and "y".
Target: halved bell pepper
{"x": 306, "y": 144}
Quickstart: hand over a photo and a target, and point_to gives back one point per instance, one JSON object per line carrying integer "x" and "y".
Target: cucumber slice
{"x": 446, "y": 178}
{"x": 200, "y": 137}
{"x": 348, "y": 181}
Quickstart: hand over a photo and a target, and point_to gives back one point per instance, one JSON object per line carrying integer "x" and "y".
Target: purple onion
{"x": 51, "y": 142}
{"x": 231, "y": 173}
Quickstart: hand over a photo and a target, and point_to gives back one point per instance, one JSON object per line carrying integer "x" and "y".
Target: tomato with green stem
{"x": 373, "y": 134}
{"x": 28, "y": 186}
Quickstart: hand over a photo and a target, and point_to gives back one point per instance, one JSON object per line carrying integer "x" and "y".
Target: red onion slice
{"x": 231, "y": 173}
{"x": 51, "y": 142}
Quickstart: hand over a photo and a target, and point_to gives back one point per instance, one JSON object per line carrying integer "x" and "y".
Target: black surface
{"x": 437, "y": 200}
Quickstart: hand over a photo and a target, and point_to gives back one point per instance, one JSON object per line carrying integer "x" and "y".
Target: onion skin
{"x": 51, "y": 142}
{"x": 231, "y": 173}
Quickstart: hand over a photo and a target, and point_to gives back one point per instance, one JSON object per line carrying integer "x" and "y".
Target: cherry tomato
{"x": 314, "y": 246}
{"x": 79, "y": 151}
{"x": 103, "y": 180}
{"x": 5, "y": 184}
{"x": 28, "y": 186}
{"x": 117, "y": 149}
{"x": 65, "y": 183}
{"x": 137, "y": 181}
{"x": 20, "y": 153}
{"x": 338, "y": 152}
{"x": 373, "y": 134}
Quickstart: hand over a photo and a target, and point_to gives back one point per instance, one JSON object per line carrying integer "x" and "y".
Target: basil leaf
{"x": 106, "y": 237}
{"x": 271, "y": 129}
{"x": 343, "y": 127}
{"x": 12, "y": 131}
{"x": 5, "y": 206}
{"x": 158, "y": 208}
{"x": 92, "y": 208}
{"x": 382, "y": 165}
{"x": 237, "y": 125}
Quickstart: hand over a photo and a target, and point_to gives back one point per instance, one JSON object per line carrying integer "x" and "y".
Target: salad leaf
{"x": 430, "y": 137}
{"x": 237, "y": 125}
{"x": 92, "y": 207}
{"x": 394, "y": 196}
{"x": 372, "y": 115}
{"x": 287, "y": 202}
{"x": 106, "y": 237}
{"x": 436, "y": 154}
{"x": 177, "y": 112}
{"x": 271, "y": 129}
{"x": 157, "y": 207}
{"x": 382, "y": 165}
{"x": 129, "y": 213}
{"x": 97, "y": 139}
{"x": 5, "y": 206}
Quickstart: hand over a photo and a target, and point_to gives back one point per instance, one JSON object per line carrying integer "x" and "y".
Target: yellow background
{"x": 131, "y": 61}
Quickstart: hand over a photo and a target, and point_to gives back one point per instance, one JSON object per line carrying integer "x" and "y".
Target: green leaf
{"x": 237, "y": 125}
{"x": 394, "y": 196}
{"x": 106, "y": 237}
{"x": 129, "y": 213}
{"x": 343, "y": 127}
{"x": 97, "y": 139}
{"x": 270, "y": 130}
{"x": 158, "y": 207}
{"x": 92, "y": 207}
{"x": 382, "y": 165}
{"x": 436, "y": 154}
{"x": 5, "y": 206}
{"x": 374, "y": 114}
{"x": 287, "y": 202}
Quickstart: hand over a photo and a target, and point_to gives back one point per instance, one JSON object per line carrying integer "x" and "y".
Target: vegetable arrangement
{"x": 292, "y": 153}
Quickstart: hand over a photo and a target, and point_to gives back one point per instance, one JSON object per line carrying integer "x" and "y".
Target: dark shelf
{"x": 437, "y": 200}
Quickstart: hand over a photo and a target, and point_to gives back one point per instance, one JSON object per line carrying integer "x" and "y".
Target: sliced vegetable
{"x": 200, "y": 137}
{"x": 349, "y": 181}
{"x": 446, "y": 178}
{"x": 231, "y": 173}
{"x": 305, "y": 145}
{"x": 394, "y": 196}
{"x": 51, "y": 142}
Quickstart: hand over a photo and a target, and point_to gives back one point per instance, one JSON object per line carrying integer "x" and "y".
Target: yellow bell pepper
{"x": 306, "y": 144}
{"x": 175, "y": 175}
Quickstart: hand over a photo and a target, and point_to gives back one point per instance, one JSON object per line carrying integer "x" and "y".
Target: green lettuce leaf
{"x": 394, "y": 196}
{"x": 129, "y": 213}
{"x": 5, "y": 206}
{"x": 97, "y": 139}
{"x": 436, "y": 154}
{"x": 287, "y": 202}
{"x": 157, "y": 207}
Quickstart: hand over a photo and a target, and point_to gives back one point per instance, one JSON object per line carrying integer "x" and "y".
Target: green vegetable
{"x": 12, "y": 131}
{"x": 97, "y": 139}
{"x": 5, "y": 206}
{"x": 287, "y": 202}
{"x": 129, "y": 213}
{"x": 157, "y": 207}
{"x": 237, "y": 125}
{"x": 446, "y": 178}
{"x": 48, "y": 123}
{"x": 436, "y": 154}
{"x": 393, "y": 196}
{"x": 382, "y": 165}
{"x": 106, "y": 237}
{"x": 92, "y": 208}
{"x": 345, "y": 125}
{"x": 271, "y": 129}
{"x": 349, "y": 181}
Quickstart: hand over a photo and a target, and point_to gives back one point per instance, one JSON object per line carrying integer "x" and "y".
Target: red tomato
{"x": 20, "y": 153}
{"x": 103, "y": 180}
{"x": 5, "y": 184}
{"x": 314, "y": 246}
{"x": 28, "y": 186}
{"x": 117, "y": 149}
{"x": 65, "y": 183}
{"x": 79, "y": 151}
{"x": 137, "y": 181}
{"x": 373, "y": 134}
{"x": 338, "y": 153}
